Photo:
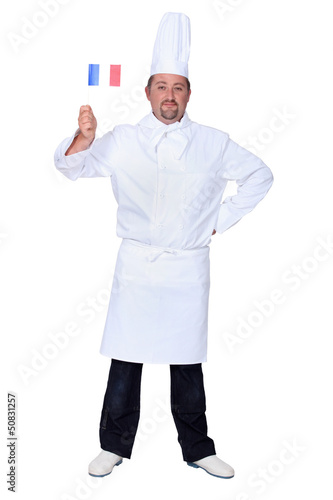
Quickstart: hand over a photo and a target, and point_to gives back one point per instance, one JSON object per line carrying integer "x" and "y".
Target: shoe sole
{"x": 108, "y": 473}
{"x": 195, "y": 466}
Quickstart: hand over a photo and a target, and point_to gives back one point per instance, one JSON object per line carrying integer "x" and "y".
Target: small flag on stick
{"x": 114, "y": 75}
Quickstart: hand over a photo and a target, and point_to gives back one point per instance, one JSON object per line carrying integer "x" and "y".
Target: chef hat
{"x": 172, "y": 45}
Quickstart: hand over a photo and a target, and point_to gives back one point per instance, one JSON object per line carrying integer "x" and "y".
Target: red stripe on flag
{"x": 115, "y": 75}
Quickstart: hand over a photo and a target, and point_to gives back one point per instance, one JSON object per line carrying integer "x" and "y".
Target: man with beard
{"x": 168, "y": 175}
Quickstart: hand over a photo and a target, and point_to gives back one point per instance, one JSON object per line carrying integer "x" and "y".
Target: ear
{"x": 189, "y": 95}
{"x": 147, "y": 93}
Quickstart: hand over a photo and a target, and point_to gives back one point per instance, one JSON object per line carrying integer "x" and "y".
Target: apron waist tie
{"x": 155, "y": 252}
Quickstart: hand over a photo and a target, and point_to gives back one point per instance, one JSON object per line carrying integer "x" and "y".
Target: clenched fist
{"x": 88, "y": 126}
{"x": 87, "y": 123}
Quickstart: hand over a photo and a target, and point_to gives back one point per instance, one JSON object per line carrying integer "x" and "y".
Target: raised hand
{"x": 88, "y": 126}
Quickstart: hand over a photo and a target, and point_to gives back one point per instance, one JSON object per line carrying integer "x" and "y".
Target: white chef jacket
{"x": 168, "y": 181}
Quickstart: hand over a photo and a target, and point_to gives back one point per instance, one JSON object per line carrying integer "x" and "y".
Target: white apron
{"x": 158, "y": 309}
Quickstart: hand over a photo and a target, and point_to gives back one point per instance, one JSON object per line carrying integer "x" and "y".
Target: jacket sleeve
{"x": 93, "y": 162}
{"x": 253, "y": 179}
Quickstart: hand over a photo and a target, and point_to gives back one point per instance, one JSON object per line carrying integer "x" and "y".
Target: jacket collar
{"x": 154, "y": 131}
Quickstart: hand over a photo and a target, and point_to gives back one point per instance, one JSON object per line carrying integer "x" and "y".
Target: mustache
{"x": 170, "y": 101}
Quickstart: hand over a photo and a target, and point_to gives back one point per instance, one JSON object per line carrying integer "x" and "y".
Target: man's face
{"x": 168, "y": 97}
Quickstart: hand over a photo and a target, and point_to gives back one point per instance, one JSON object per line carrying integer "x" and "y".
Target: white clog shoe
{"x": 103, "y": 464}
{"x": 214, "y": 466}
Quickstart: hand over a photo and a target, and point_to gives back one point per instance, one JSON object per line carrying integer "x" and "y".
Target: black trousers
{"x": 121, "y": 409}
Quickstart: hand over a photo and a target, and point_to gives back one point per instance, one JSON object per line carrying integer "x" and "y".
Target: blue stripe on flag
{"x": 93, "y": 78}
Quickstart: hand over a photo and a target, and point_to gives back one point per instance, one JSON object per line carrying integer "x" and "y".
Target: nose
{"x": 170, "y": 94}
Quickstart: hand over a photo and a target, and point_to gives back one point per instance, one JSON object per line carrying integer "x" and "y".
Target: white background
{"x": 269, "y": 388}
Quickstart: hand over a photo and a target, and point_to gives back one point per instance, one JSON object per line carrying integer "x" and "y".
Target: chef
{"x": 168, "y": 175}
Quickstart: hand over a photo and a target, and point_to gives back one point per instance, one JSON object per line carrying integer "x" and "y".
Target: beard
{"x": 167, "y": 113}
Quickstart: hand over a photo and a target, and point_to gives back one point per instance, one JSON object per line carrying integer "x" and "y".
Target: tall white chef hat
{"x": 172, "y": 45}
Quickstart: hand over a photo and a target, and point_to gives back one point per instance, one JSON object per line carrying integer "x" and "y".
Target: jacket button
{"x": 181, "y": 226}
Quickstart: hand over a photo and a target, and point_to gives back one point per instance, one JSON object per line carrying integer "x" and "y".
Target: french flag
{"x": 113, "y": 75}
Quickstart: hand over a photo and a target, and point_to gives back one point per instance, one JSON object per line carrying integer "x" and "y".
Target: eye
{"x": 161, "y": 87}
{"x": 178, "y": 89}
